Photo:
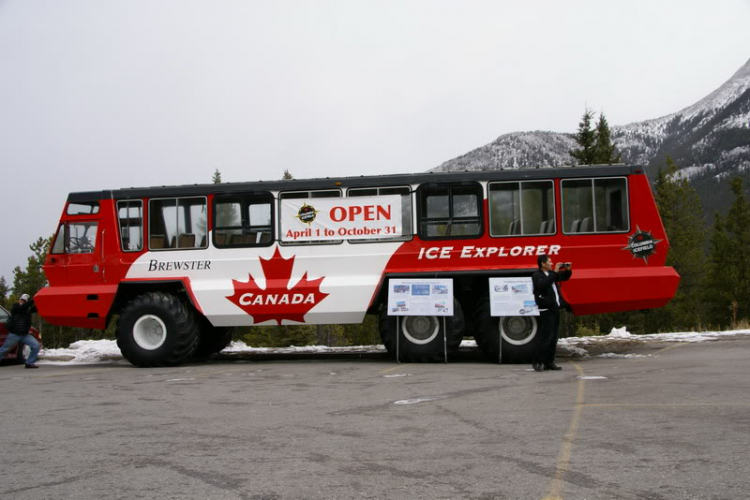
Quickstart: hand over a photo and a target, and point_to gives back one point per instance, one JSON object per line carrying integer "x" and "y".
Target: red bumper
{"x": 80, "y": 306}
{"x": 594, "y": 291}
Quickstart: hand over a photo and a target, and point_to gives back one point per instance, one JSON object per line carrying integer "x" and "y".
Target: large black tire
{"x": 518, "y": 332}
{"x": 212, "y": 339}
{"x": 157, "y": 329}
{"x": 422, "y": 336}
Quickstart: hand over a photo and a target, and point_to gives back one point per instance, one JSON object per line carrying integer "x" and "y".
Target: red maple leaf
{"x": 279, "y": 300}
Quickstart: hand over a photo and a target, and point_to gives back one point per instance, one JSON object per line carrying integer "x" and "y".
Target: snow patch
{"x": 620, "y": 332}
{"x": 623, "y": 356}
{"x": 106, "y": 351}
{"x": 417, "y": 400}
{"x": 693, "y": 171}
{"x": 83, "y": 352}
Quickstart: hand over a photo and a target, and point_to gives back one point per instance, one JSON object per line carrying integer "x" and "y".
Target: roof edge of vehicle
{"x": 360, "y": 181}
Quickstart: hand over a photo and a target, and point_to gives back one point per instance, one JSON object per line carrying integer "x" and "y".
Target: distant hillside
{"x": 709, "y": 141}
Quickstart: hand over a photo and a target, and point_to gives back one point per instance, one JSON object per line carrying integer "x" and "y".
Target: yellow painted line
{"x": 396, "y": 368}
{"x": 563, "y": 458}
{"x": 658, "y": 405}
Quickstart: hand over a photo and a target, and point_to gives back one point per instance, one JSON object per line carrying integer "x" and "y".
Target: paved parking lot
{"x": 674, "y": 423}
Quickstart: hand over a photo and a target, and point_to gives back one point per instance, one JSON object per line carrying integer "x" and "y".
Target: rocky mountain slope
{"x": 709, "y": 141}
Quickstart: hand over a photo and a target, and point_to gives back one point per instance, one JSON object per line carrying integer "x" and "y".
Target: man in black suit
{"x": 549, "y": 301}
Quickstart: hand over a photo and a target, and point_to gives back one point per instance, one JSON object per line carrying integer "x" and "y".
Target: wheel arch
{"x": 128, "y": 290}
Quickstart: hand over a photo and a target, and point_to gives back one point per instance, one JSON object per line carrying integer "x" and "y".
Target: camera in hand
{"x": 565, "y": 265}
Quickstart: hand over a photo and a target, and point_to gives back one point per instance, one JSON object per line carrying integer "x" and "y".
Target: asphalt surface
{"x": 673, "y": 424}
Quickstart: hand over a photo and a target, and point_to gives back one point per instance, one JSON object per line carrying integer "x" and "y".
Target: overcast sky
{"x": 102, "y": 94}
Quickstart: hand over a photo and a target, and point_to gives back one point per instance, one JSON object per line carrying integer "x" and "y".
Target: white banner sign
{"x": 358, "y": 218}
{"x": 411, "y": 297}
{"x": 512, "y": 297}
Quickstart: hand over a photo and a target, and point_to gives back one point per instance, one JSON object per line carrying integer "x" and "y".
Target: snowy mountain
{"x": 517, "y": 150}
{"x": 709, "y": 141}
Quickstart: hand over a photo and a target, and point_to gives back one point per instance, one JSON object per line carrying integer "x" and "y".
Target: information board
{"x": 415, "y": 297}
{"x": 512, "y": 297}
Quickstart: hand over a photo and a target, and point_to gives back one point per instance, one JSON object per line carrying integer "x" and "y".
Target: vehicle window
{"x": 449, "y": 211}
{"x": 243, "y": 220}
{"x": 406, "y": 208}
{"x": 130, "y": 215}
{"x": 59, "y": 245}
{"x": 595, "y": 205}
{"x": 611, "y": 199}
{"x": 83, "y": 208}
{"x": 177, "y": 223}
{"x": 526, "y": 208}
{"x": 301, "y": 195}
{"x": 81, "y": 237}
{"x": 4, "y": 315}
{"x": 75, "y": 237}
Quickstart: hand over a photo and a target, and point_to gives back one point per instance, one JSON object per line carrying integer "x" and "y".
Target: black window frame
{"x": 311, "y": 192}
{"x": 520, "y": 190}
{"x": 593, "y": 202}
{"x": 127, "y": 204}
{"x": 408, "y": 237}
{"x": 176, "y": 248}
{"x": 244, "y": 199}
{"x": 422, "y": 220}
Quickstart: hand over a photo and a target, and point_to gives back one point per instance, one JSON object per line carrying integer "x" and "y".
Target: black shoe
{"x": 553, "y": 366}
{"x": 31, "y": 366}
{"x": 537, "y": 367}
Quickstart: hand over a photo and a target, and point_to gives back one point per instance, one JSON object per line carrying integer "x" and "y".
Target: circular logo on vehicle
{"x": 307, "y": 214}
{"x": 641, "y": 244}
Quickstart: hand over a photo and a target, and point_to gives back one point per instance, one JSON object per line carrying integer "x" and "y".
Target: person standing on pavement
{"x": 548, "y": 300}
{"x": 18, "y": 330}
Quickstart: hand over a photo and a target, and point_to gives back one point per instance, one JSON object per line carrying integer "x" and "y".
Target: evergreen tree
{"x": 596, "y": 147}
{"x": 217, "y": 177}
{"x": 605, "y": 152}
{"x": 586, "y": 139}
{"x": 682, "y": 217}
{"x": 4, "y": 289}
{"x": 32, "y": 279}
{"x": 728, "y": 285}
{"x": 287, "y": 176}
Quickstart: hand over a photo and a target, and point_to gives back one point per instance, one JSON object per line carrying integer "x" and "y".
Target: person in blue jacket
{"x": 549, "y": 301}
{"x": 18, "y": 327}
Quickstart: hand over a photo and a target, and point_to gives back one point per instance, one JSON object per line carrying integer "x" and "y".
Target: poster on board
{"x": 415, "y": 297}
{"x": 512, "y": 297}
{"x": 327, "y": 219}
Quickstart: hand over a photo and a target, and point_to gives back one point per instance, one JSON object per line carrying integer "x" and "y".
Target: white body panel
{"x": 350, "y": 272}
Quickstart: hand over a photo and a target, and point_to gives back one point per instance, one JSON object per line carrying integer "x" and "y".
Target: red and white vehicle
{"x": 183, "y": 265}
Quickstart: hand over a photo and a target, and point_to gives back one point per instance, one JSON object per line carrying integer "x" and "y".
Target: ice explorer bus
{"x": 181, "y": 266}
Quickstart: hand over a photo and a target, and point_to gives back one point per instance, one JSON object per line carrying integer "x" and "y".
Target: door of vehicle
{"x": 77, "y": 253}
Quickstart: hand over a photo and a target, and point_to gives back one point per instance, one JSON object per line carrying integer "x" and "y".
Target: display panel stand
{"x": 415, "y": 297}
{"x": 499, "y": 344}
{"x": 445, "y": 340}
{"x": 510, "y": 297}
